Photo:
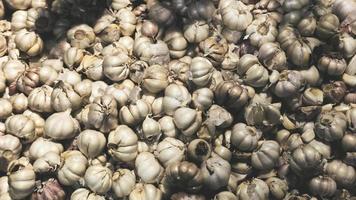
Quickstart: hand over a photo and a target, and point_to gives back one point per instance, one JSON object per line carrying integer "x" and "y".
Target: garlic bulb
{"x": 151, "y": 129}
{"x": 123, "y": 182}
{"x": 187, "y": 120}
{"x": 266, "y": 156}
{"x": 69, "y": 76}
{"x": 202, "y": 98}
{"x": 134, "y": 113}
{"x": 175, "y": 96}
{"x": 116, "y": 68}
{"x": 170, "y": 150}
{"x": 148, "y": 168}
{"x": 121, "y": 92}
{"x": 102, "y": 113}
{"x": 81, "y": 36}
{"x": 49, "y": 162}
{"x": 255, "y": 188}
{"x": 122, "y": 143}
{"x": 38, "y": 120}
{"x": 220, "y": 169}
{"x": 201, "y": 71}
{"x": 168, "y": 127}
{"x": 150, "y": 51}
{"x": 235, "y": 15}
{"x": 41, "y": 146}
{"x": 298, "y": 51}
{"x": 68, "y": 130}
{"x": 145, "y": 192}
{"x": 196, "y": 31}
{"x": 84, "y": 194}
{"x": 177, "y": 44}
{"x": 323, "y": 186}
{"x": 245, "y": 138}
{"x": 289, "y": 83}
{"x": 22, "y": 127}
{"x": 73, "y": 56}
{"x": 278, "y": 187}
{"x": 262, "y": 30}
{"x": 64, "y": 97}
{"x": 10, "y": 149}
{"x": 6, "y": 108}
{"x": 155, "y": 78}
{"x": 92, "y": 67}
{"x": 331, "y": 126}
{"x": 214, "y": 49}
{"x": 13, "y": 69}
{"x": 199, "y": 150}
{"x": 49, "y": 71}
{"x": 49, "y": 189}
{"x": 232, "y": 94}
{"x": 91, "y": 143}
{"x": 252, "y": 72}
{"x": 29, "y": 42}
{"x": 72, "y": 168}
{"x": 19, "y": 103}
{"x": 28, "y": 80}
{"x": 343, "y": 174}
{"x": 98, "y": 179}
{"x": 39, "y": 99}
{"x": 183, "y": 175}
{"x": 21, "y": 178}
{"x": 272, "y": 56}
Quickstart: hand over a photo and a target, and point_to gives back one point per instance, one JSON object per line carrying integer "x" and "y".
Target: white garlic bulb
{"x": 67, "y": 128}
{"x": 91, "y": 143}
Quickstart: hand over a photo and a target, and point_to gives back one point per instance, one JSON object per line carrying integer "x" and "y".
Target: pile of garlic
{"x": 177, "y": 99}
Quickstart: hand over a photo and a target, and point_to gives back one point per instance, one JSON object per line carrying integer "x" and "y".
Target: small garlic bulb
{"x": 151, "y": 129}
{"x": 98, "y": 179}
{"x": 148, "y": 168}
{"x": 67, "y": 128}
{"x": 91, "y": 143}
{"x": 29, "y": 42}
{"x": 19, "y": 103}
